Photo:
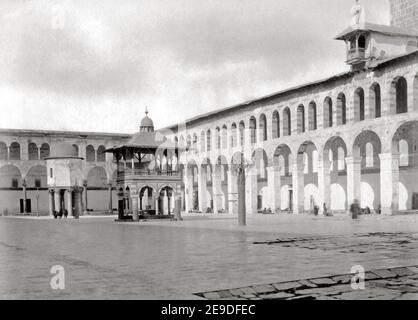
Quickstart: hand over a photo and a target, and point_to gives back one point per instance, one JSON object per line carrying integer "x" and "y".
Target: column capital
{"x": 389, "y": 156}
{"x": 353, "y": 160}
{"x": 273, "y": 169}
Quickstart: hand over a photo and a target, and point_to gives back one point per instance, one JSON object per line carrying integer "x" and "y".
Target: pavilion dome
{"x": 62, "y": 150}
{"x": 147, "y": 125}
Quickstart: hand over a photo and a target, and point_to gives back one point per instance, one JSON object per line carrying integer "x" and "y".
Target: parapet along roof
{"x": 371, "y": 27}
{"x": 147, "y": 142}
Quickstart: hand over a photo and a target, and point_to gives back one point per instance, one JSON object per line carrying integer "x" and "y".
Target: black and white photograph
{"x": 210, "y": 155}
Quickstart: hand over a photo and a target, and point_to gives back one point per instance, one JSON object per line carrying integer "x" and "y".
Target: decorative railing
{"x": 356, "y": 54}
{"x": 137, "y": 172}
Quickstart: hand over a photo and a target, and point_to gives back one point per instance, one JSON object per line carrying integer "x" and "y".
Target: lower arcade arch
{"x": 281, "y": 192}
{"x": 404, "y": 157}
{"x": 365, "y": 165}
{"x": 335, "y": 174}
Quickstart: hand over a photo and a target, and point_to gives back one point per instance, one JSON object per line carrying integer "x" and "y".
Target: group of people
{"x": 356, "y": 210}
{"x": 61, "y": 214}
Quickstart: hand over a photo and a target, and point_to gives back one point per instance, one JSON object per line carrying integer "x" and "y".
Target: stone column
{"x": 165, "y": 203}
{"x": 157, "y": 206}
{"x": 144, "y": 199}
{"x": 202, "y": 183}
{"x": 25, "y": 195}
{"x": 324, "y": 184}
{"x": 85, "y": 199}
{"x": 389, "y": 183}
{"x": 188, "y": 182}
{"x": 51, "y": 202}
{"x": 133, "y": 165}
{"x": 177, "y": 204}
{"x": 298, "y": 181}
{"x": 412, "y": 105}
{"x": 135, "y": 210}
{"x": 70, "y": 202}
{"x": 78, "y": 202}
{"x": 110, "y": 203}
{"x": 274, "y": 188}
{"x": 62, "y": 200}
{"x": 232, "y": 192}
{"x": 217, "y": 189}
{"x": 353, "y": 180}
{"x": 251, "y": 191}
{"x": 58, "y": 200}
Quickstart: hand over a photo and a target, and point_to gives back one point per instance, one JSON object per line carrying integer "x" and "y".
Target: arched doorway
{"x": 221, "y": 185}
{"x": 191, "y": 186}
{"x": 146, "y": 200}
{"x": 334, "y": 175}
{"x": 281, "y": 192}
{"x": 305, "y": 179}
{"x": 404, "y": 172}
{"x": 259, "y": 178}
{"x": 166, "y": 201}
{"x": 364, "y": 170}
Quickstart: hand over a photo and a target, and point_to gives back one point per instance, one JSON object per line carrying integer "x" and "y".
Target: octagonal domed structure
{"x": 147, "y": 125}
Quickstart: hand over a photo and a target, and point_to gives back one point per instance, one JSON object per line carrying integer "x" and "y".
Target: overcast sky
{"x": 93, "y": 65}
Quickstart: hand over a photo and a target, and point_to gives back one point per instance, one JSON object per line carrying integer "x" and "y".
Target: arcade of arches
{"x": 357, "y": 142}
{"x": 334, "y": 172}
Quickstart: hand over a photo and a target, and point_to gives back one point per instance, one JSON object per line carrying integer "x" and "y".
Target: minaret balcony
{"x": 356, "y": 55}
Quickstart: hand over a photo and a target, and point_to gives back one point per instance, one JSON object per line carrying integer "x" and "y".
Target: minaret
{"x": 359, "y": 15}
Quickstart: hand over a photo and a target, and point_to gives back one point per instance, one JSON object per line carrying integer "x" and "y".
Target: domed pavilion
{"x": 147, "y": 178}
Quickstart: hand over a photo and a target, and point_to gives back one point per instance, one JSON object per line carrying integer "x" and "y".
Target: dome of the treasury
{"x": 147, "y": 125}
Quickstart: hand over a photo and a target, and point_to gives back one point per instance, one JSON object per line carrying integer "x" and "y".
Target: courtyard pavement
{"x": 210, "y": 257}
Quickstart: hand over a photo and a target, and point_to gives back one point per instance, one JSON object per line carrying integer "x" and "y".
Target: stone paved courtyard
{"x": 275, "y": 257}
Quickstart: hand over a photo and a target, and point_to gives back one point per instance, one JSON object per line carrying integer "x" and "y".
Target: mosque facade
{"x": 325, "y": 144}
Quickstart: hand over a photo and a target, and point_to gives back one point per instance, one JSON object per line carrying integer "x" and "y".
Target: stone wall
{"x": 404, "y": 13}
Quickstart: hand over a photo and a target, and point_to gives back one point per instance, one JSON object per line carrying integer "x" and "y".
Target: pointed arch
{"x": 375, "y": 101}
{"x": 399, "y": 96}
{"x": 301, "y": 118}
{"x": 90, "y": 154}
{"x": 253, "y": 130}
{"x": 242, "y": 133}
{"x": 275, "y": 125}
{"x": 14, "y": 153}
{"x": 328, "y": 113}
{"x": 45, "y": 151}
{"x": 202, "y": 141}
{"x": 33, "y": 152}
{"x": 101, "y": 155}
{"x": 233, "y": 135}
{"x": 287, "y": 122}
{"x": 312, "y": 116}
{"x": 263, "y": 127}
{"x": 208, "y": 141}
{"x": 359, "y": 111}
{"x": 341, "y": 109}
